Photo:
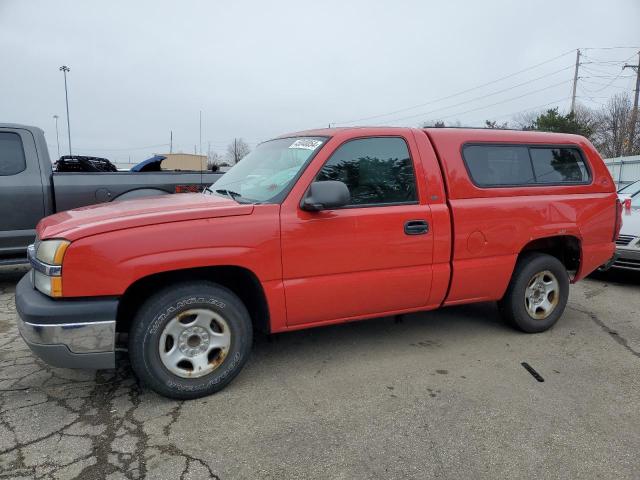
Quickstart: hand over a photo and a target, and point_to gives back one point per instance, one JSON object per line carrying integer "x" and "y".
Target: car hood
{"x": 118, "y": 215}
{"x": 631, "y": 222}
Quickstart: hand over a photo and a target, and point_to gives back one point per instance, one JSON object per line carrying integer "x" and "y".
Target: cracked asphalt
{"x": 440, "y": 394}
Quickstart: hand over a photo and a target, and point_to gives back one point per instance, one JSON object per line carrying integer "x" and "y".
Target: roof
{"x": 470, "y": 134}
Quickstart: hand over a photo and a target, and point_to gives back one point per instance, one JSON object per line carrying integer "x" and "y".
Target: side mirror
{"x": 325, "y": 196}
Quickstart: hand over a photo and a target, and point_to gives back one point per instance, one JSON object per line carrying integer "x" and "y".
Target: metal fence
{"x": 624, "y": 170}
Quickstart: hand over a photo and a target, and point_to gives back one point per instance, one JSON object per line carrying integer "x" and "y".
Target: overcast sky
{"x": 140, "y": 69}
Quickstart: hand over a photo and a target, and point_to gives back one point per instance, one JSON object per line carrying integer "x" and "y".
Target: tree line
{"x": 613, "y": 129}
{"x": 236, "y": 151}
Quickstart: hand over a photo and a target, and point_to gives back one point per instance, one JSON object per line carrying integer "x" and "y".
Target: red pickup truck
{"x": 317, "y": 228}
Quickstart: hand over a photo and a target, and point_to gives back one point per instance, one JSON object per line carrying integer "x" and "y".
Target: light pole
{"x": 57, "y": 136}
{"x": 64, "y": 69}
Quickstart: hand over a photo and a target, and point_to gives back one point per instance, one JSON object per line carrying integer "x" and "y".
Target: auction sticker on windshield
{"x": 306, "y": 143}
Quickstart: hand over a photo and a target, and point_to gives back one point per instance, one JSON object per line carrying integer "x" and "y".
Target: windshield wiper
{"x": 233, "y": 195}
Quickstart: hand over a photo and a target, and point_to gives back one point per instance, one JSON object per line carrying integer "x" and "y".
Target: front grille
{"x": 624, "y": 239}
{"x": 627, "y": 263}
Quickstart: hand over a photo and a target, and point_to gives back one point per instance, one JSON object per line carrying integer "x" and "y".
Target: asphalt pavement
{"x": 440, "y": 394}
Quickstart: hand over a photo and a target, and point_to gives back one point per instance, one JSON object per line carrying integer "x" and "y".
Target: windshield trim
{"x": 284, "y": 193}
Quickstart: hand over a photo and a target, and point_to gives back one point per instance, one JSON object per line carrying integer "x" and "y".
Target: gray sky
{"x": 258, "y": 69}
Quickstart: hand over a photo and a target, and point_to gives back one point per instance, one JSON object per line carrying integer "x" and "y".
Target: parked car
{"x": 82, "y": 163}
{"x": 318, "y": 228}
{"x": 31, "y": 190}
{"x": 629, "y": 191}
{"x": 627, "y": 255}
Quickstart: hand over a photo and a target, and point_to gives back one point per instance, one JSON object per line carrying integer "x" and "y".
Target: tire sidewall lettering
{"x": 169, "y": 313}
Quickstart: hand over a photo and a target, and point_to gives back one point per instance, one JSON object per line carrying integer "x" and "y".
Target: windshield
{"x": 268, "y": 171}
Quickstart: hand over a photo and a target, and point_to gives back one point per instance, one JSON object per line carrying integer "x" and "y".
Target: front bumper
{"x": 69, "y": 333}
{"x": 627, "y": 259}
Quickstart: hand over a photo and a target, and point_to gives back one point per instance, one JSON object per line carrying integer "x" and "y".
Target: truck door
{"x": 21, "y": 196}
{"x": 371, "y": 257}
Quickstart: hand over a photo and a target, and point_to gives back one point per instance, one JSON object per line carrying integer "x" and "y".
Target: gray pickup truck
{"x": 31, "y": 190}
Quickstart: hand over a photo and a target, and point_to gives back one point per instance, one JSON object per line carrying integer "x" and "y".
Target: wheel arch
{"x": 141, "y": 193}
{"x": 241, "y": 281}
{"x": 566, "y": 248}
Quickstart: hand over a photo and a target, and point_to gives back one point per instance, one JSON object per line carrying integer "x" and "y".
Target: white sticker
{"x": 306, "y": 143}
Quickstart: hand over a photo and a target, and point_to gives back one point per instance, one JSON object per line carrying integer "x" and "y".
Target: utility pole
{"x": 170, "y": 141}
{"x": 200, "y": 133}
{"x": 64, "y": 69}
{"x": 57, "y": 136}
{"x": 575, "y": 82}
{"x": 634, "y": 111}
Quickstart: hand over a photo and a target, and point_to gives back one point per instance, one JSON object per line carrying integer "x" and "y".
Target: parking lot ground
{"x": 440, "y": 394}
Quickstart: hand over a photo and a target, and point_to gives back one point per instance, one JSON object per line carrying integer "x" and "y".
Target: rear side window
{"x": 12, "y": 159}
{"x": 508, "y": 165}
{"x": 376, "y": 171}
{"x": 491, "y": 165}
{"x": 558, "y": 165}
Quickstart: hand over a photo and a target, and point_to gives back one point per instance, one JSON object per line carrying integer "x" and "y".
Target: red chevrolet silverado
{"x": 317, "y": 228}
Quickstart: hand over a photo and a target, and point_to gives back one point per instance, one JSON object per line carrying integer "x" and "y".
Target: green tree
{"x": 553, "y": 121}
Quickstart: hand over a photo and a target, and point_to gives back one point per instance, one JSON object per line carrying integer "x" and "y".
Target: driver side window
{"x": 376, "y": 171}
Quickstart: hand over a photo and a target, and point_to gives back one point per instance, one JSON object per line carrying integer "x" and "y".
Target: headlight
{"x": 46, "y": 259}
{"x": 51, "y": 252}
{"x": 51, "y": 286}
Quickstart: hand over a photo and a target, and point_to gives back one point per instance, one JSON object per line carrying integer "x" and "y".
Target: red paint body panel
{"x": 319, "y": 268}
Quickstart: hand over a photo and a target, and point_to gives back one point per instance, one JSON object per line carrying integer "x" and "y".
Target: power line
{"x": 610, "y": 48}
{"x": 454, "y": 94}
{"x": 589, "y": 82}
{"x": 479, "y": 108}
{"x": 123, "y": 149}
{"x": 471, "y": 100}
{"x": 533, "y": 108}
{"x": 609, "y": 76}
{"x": 508, "y": 100}
{"x": 596, "y": 71}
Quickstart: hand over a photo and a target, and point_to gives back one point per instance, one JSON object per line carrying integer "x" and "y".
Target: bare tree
{"x": 433, "y": 123}
{"x": 237, "y": 150}
{"x": 214, "y": 159}
{"x": 614, "y": 128}
{"x": 523, "y": 121}
{"x": 494, "y": 124}
{"x": 441, "y": 124}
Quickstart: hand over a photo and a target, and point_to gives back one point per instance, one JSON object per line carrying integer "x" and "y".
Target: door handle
{"x": 416, "y": 227}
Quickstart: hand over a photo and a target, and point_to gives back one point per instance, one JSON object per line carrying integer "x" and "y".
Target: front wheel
{"x": 537, "y": 294}
{"x": 190, "y": 340}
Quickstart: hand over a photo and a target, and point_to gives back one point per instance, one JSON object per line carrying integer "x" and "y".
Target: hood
{"x": 117, "y": 215}
{"x": 631, "y": 222}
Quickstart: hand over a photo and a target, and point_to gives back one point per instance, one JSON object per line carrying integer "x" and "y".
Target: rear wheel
{"x": 537, "y": 294}
{"x": 190, "y": 340}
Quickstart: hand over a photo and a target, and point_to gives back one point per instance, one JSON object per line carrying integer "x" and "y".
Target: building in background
{"x": 184, "y": 161}
{"x": 173, "y": 162}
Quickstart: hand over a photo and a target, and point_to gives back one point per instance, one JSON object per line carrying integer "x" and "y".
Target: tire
{"x": 190, "y": 340}
{"x": 532, "y": 282}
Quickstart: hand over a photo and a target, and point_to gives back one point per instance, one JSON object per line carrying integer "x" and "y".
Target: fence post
{"x": 620, "y": 173}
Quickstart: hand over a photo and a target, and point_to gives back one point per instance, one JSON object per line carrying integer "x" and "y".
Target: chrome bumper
{"x": 77, "y": 337}
{"x": 62, "y": 333}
